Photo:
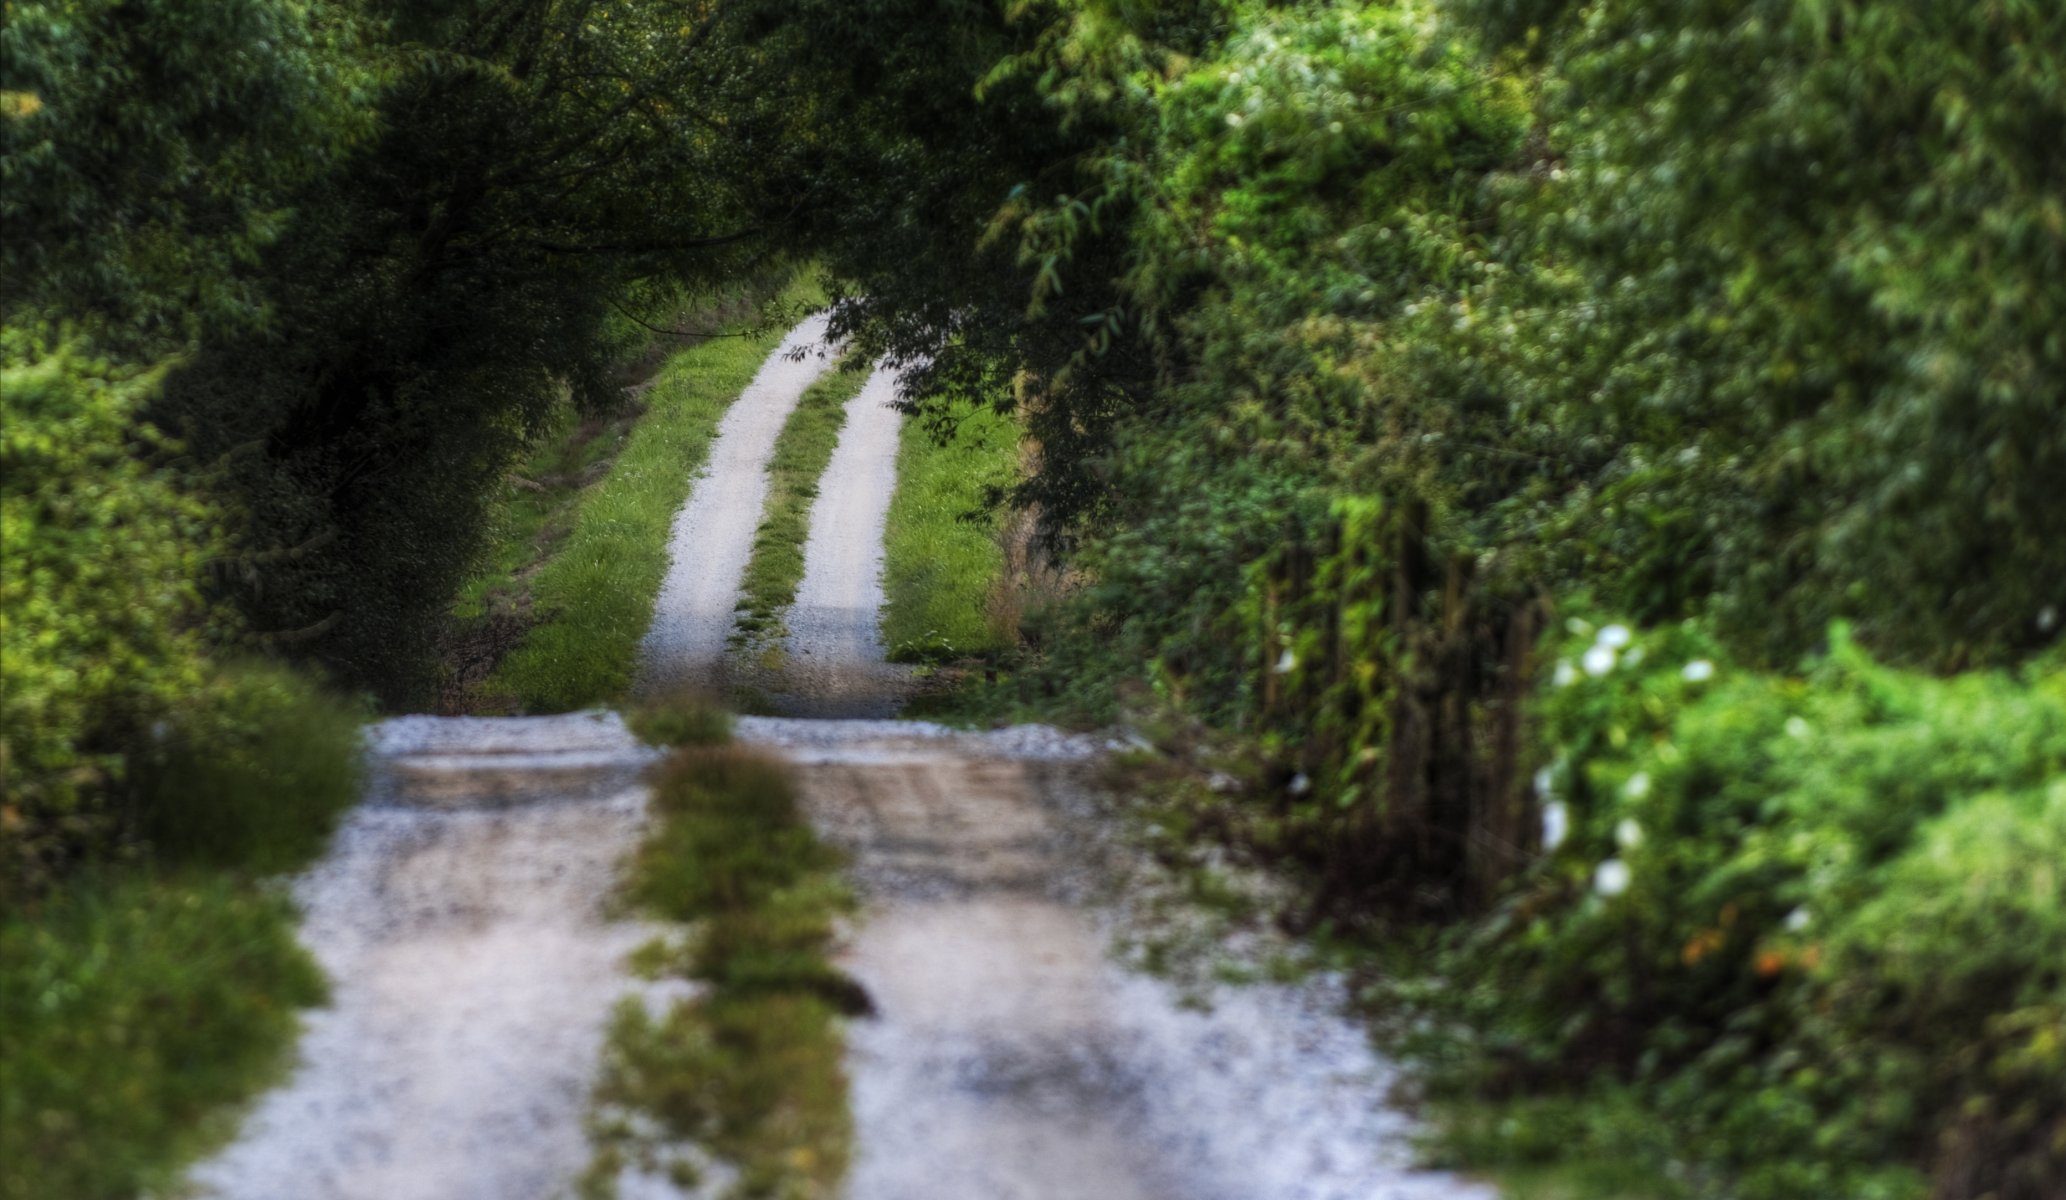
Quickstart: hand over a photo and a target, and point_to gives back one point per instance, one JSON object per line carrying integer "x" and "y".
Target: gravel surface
{"x": 461, "y": 918}
{"x": 833, "y": 663}
{"x": 1014, "y": 1059}
{"x": 713, "y": 534}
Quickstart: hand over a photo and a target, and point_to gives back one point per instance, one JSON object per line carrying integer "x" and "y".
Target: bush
{"x": 1816, "y": 921}
{"x": 252, "y": 779}
{"x": 102, "y": 550}
{"x": 133, "y": 1008}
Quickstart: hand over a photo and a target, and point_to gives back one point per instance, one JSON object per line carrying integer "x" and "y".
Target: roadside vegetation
{"x": 541, "y": 495}
{"x": 1591, "y": 461}
{"x": 742, "y": 1086}
{"x": 147, "y": 993}
{"x": 590, "y": 596}
{"x": 948, "y": 597}
{"x": 1594, "y": 463}
{"x": 802, "y": 451}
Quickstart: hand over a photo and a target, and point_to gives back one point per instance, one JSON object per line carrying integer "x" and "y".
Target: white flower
{"x": 2046, "y": 618}
{"x": 1579, "y": 626}
{"x": 1545, "y": 783}
{"x": 1628, "y": 835}
{"x": 1556, "y": 824}
{"x": 1611, "y": 878}
{"x": 1564, "y": 675}
{"x": 1334, "y": 127}
{"x": 1234, "y": 119}
{"x": 1797, "y": 920}
{"x": 1286, "y": 662}
{"x": 1638, "y": 785}
{"x": 1615, "y": 636}
{"x": 1300, "y": 784}
{"x": 1599, "y": 660}
{"x": 1698, "y": 671}
{"x": 1795, "y": 727}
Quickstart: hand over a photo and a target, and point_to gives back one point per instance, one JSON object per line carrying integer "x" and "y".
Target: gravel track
{"x": 832, "y": 663}
{"x": 463, "y": 917}
{"x": 712, "y": 540}
{"x": 1012, "y": 1058}
{"x": 460, "y": 915}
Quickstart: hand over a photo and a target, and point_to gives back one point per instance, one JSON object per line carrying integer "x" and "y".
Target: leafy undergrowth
{"x": 802, "y": 452}
{"x": 591, "y": 596}
{"x": 1785, "y": 934}
{"x": 142, "y": 998}
{"x": 743, "y": 1085}
{"x": 1793, "y": 934}
{"x": 136, "y": 1009}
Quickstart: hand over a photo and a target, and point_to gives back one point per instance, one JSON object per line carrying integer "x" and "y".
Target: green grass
{"x": 686, "y": 718}
{"x": 137, "y": 1009}
{"x": 942, "y": 571}
{"x": 801, "y": 454}
{"x": 144, "y": 998}
{"x": 594, "y": 595}
{"x": 749, "y": 1074}
{"x": 1604, "y": 1145}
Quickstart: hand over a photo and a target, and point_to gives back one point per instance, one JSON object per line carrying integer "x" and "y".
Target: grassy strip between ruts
{"x": 801, "y": 454}
{"x": 743, "y": 1085}
{"x": 942, "y": 570}
{"x": 596, "y": 594}
{"x": 142, "y": 1000}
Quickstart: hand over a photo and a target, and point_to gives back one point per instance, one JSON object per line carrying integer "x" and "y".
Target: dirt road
{"x": 833, "y": 659}
{"x": 712, "y": 539}
{"x": 1012, "y": 1058}
{"x": 463, "y": 917}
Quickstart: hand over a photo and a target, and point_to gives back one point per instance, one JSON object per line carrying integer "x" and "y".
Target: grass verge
{"x": 138, "y": 1008}
{"x": 944, "y": 559}
{"x": 741, "y": 1087}
{"x": 142, "y": 1000}
{"x": 801, "y": 454}
{"x": 592, "y": 598}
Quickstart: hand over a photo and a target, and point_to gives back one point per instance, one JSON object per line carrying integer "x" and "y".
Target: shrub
{"x": 253, "y": 778}
{"x": 685, "y": 718}
{"x": 101, "y": 550}
{"x": 1817, "y": 921}
{"x": 135, "y": 1006}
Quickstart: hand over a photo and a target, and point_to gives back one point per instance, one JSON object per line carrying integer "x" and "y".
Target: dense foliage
{"x": 101, "y": 555}
{"x": 1363, "y": 342}
{"x": 538, "y": 169}
{"x": 1816, "y": 922}
{"x": 287, "y": 288}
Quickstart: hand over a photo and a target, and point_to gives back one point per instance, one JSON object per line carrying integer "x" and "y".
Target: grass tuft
{"x": 684, "y": 718}
{"x": 253, "y": 781}
{"x": 749, "y": 1073}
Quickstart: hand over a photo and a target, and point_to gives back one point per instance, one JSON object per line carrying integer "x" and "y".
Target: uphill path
{"x": 463, "y": 916}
